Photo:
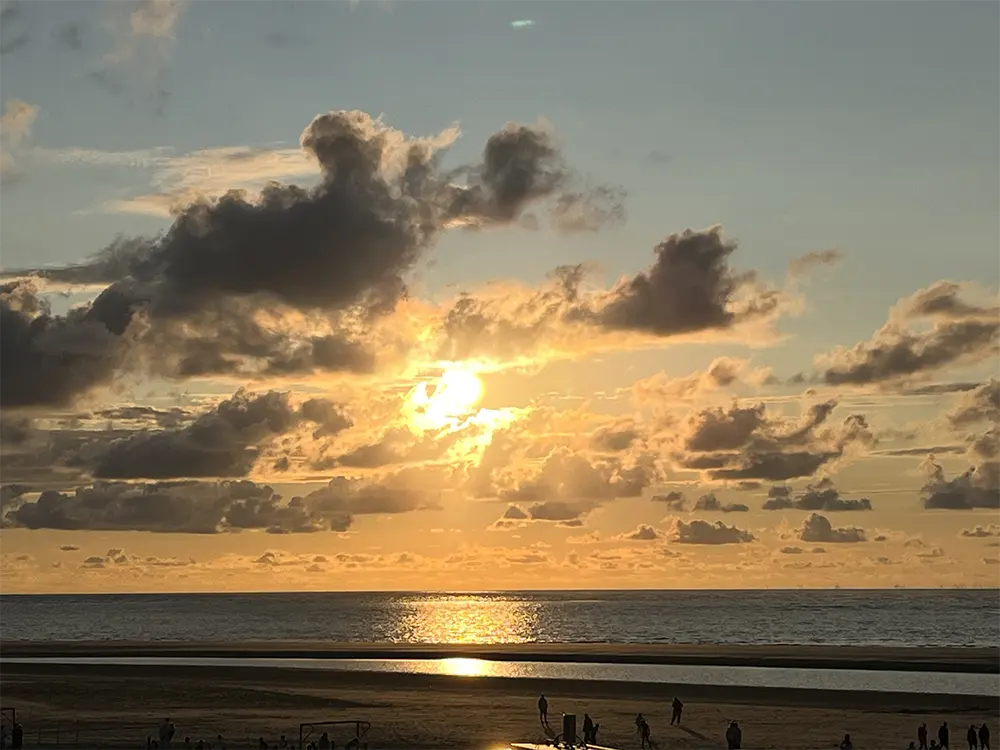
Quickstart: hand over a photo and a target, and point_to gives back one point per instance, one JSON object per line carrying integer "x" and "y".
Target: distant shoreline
{"x": 973, "y": 660}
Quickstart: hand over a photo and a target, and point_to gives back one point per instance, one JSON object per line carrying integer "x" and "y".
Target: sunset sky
{"x": 421, "y": 295}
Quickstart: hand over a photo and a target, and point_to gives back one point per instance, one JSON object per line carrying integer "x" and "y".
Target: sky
{"x": 387, "y": 295}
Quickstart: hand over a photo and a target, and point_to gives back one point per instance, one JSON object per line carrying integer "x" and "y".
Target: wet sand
{"x": 973, "y": 660}
{"x": 116, "y": 706}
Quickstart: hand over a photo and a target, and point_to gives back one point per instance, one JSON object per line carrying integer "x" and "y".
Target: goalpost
{"x": 308, "y": 732}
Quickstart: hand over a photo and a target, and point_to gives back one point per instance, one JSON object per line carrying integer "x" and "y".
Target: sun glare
{"x": 453, "y": 398}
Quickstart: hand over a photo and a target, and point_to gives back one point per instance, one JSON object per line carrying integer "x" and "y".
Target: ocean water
{"x": 840, "y": 617}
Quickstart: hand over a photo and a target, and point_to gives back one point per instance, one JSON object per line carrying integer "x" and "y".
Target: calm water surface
{"x": 891, "y": 618}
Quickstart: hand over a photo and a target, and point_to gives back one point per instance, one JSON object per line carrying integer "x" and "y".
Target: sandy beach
{"x": 117, "y": 706}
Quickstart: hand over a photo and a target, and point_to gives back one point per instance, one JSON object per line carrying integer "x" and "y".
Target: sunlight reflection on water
{"x": 454, "y": 618}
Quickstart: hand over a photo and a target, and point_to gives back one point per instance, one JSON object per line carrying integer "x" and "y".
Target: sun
{"x": 452, "y": 398}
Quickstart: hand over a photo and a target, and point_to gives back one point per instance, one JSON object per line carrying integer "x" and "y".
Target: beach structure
{"x": 568, "y": 739}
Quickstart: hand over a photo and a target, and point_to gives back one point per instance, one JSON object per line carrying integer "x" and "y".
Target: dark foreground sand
{"x": 114, "y": 706}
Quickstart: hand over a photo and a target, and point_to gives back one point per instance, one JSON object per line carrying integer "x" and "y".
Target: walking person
{"x": 734, "y": 736}
{"x": 588, "y": 729}
{"x": 943, "y": 736}
{"x": 678, "y": 707}
{"x": 973, "y": 737}
{"x": 984, "y": 737}
{"x": 922, "y": 737}
{"x": 543, "y": 711}
{"x": 644, "y": 729}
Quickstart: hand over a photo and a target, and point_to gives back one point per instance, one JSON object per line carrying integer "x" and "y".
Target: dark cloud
{"x": 642, "y": 533}
{"x": 342, "y": 247}
{"x": 615, "y": 438}
{"x": 804, "y": 263}
{"x": 981, "y": 404}
{"x": 15, "y": 430}
{"x": 222, "y": 443}
{"x": 210, "y": 507}
{"x": 960, "y": 332}
{"x": 166, "y": 418}
{"x": 711, "y": 503}
{"x": 689, "y": 287}
{"x": 399, "y": 446}
{"x": 921, "y": 451}
{"x": 979, "y": 487}
{"x": 822, "y": 496}
{"x": 674, "y": 500}
{"x": 933, "y": 389}
{"x": 703, "y": 532}
{"x": 818, "y": 528}
{"x": 49, "y": 360}
{"x": 746, "y": 444}
{"x": 329, "y": 417}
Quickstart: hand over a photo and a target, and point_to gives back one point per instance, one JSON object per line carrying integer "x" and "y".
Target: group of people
{"x": 166, "y": 732}
{"x": 16, "y": 737}
{"x": 978, "y": 739}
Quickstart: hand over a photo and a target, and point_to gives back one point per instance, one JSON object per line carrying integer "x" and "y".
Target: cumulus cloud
{"x": 711, "y": 503}
{"x": 721, "y": 373}
{"x": 674, "y": 500}
{"x": 224, "y": 442}
{"x": 233, "y": 286}
{"x": 960, "y": 332}
{"x": 747, "y": 444}
{"x": 980, "y": 404}
{"x": 979, "y": 487}
{"x": 562, "y": 513}
{"x": 688, "y": 288}
{"x": 822, "y": 496}
{"x": 211, "y": 507}
{"x": 642, "y": 533}
{"x": 817, "y": 528}
{"x": 49, "y": 360}
{"x": 703, "y": 532}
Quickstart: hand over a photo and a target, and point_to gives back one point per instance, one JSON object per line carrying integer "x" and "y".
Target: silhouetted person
{"x": 543, "y": 710}
{"x": 846, "y": 743}
{"x": 922, "y": 737}
{"x": 588, "y": 728}
{"x": 678, "y": 707}
{"x": 943, "y": 736}
{"x": 984, "y": 737}
{"x": 639, "y": 721}
{"x": 324, "y": 742}
{"x": 187, "y": 743}
{"x": 166, "y": 733}
{"x": 912, "y": 745}
{"x": 734, "y": 736}
{"x": 644, "y": 730}
{"x": 200, "y": 745}
{"x": 261, "y": 745}
{"x": 16, "y": 737}
{"x": 593, "y": 734}
{"x": 972, "y": 737}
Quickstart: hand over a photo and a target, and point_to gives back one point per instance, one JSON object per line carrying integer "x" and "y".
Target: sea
{"x": 896, "y": 617}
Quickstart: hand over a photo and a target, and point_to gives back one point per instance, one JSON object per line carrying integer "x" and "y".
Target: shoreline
{"x": 972, "y": 660}
{"x": 276, "y": 677}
